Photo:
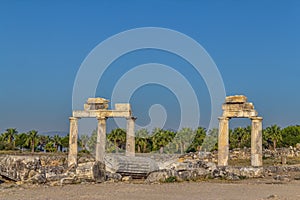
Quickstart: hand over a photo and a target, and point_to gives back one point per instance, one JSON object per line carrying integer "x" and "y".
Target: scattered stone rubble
{"x": 153, "y": 168}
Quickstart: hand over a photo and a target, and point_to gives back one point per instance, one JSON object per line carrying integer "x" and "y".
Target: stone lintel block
{"x": 97, "y": 101}
{"x": 240, "y": 114}
{"x": 236, "y": 99}
{"x": 238, "y": 107}
{"x": 85, "y": 113}
{"x": 122, "y": 107}
{"x": 116, "y": 113}
{"x": 257, "y": 118}
{"x": 86, "y": 107}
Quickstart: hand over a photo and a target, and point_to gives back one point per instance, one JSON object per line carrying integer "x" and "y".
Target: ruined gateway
{"x": 238, "y": 107}
{"x": 234, "y": 107}
{"x": 98, "y": 108}
{"x": 125, "y": 165}
{"x": 105, "y": 167}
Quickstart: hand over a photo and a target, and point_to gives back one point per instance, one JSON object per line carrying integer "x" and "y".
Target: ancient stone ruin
{"x": 238, "y": 107}
{"x": 98, "y": 108}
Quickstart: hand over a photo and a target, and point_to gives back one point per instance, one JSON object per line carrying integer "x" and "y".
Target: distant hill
{"x": 52, "y": 133}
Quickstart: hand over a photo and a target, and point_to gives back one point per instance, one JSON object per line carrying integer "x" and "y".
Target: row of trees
{"x": 188, "y": 140}
{"x": 273, "y": 137}
{"x": 184, "y": 140}
{"x": 12, "y": 140}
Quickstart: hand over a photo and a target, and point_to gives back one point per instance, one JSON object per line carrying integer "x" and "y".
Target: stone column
{"x": 130, "y": 137}
{"x": 223, "y": 141}
{"x": 73, "y": 137}
{"x": 101, "y": 139}
{"x": 256, "y": 142}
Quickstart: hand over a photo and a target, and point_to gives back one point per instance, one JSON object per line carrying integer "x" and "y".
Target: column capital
{"x": 223, "y": 118}
{"x": 73, "y": 118}
{"x": 131, "y": 117}
{"x": 257, "y": 118}
{"x": 101, "y": 118}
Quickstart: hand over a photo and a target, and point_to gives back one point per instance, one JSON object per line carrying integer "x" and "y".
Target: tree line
{"x": 159, "y": 140}
{"x": 33, "y": 141}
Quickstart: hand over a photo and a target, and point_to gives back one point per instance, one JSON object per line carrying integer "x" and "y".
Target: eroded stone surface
{"x": 238, "y": 107}
{"x": 236, "y": 99}
{"x": 98, "y": 108}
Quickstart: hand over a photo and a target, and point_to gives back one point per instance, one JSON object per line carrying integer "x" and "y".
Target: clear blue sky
{"x": 255, "y": 44}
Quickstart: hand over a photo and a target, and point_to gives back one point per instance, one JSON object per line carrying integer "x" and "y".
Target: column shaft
{"x": 101, "y": 139}
{"x": 223, "y": 141}
{"x": 256, "y": 142}
{"x": 73, "y": 136}
{"x": 130, "y": 137}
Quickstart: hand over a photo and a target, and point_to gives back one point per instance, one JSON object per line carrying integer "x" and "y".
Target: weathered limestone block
{"x": 130, "y": 166}
{"x": 236, "y": 99}
{"x": 238, "y": 107}
{"x": 298, "y": 146}
{"x": 96, "y": 104}
{"x": 122, "y": 107}
{"x": 113, "y": 177}
{"x": 158, "y": 176}
{"x": 91, "y": 171}
{"x": 20, "y": 168}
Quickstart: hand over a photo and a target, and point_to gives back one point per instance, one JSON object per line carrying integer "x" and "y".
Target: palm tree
{"x": 273, "y": 133}
{"x": 118, "y": 137}
{"x": 197, "y": 142}
{"x": 57, "y": 142}
{"x": 10, "y": 135}
{"x": 20, "y": 140}
{"x": 65, "y": 142}
{"x": 44, "y": 140}
{"x": 240, "y": 137}
{"x": 141, "y": 140}
{"x": 32, "y": 139}
{"x": 161, "y": 138}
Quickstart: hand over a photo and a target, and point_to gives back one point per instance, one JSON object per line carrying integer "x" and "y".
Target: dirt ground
{"x": 253, "y": 189}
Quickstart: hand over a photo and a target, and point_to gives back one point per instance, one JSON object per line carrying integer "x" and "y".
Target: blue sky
{"x": 255, "y": 45}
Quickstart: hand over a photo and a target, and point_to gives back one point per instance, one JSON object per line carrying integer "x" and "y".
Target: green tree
{"x": 9, "y": 137}
{"x": 240, "y": 137}
{"x": 44, "y": 140}
{"x": 57, "y": 142}
{"x": 118, "y": 137}
{"x": 274, "y": 134}
{"x": 65, "y": 142}
{"x": 200, "y": 135}
{"x": 291, "y": 136}
{"x": 20, "y": 141}
{"x": 50, "y": 147}
{"x": 32, "y": 139}
{"x": 141, "y": 140}
{"x": 161, "y": 138}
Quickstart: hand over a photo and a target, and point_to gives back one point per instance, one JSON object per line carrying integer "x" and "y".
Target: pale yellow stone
{"x": 236, "y": 99}
{"x": 238, "y": 107}
{"x": 98, "y": 108}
